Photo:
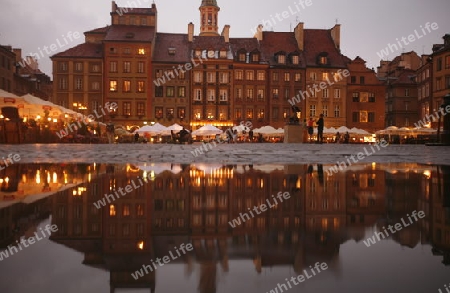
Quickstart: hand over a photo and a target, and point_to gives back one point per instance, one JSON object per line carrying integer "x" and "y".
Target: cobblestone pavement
{"x": 241, "y": 153}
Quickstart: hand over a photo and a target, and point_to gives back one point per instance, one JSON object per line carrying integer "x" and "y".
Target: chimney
{"x": 446, "y": 40}
{"x": 18, "y": 53}
{"x": 113, "y": 6}
{"x": 336, "y": 36}
{"x": 300, "y": 35}
{"x": 190, "y": 32}
{"x": 226, "y": 33}
{"x": 259, "y": 33}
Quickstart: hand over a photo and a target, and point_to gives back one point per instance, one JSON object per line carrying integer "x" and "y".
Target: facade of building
{"x": 7, "y": 68}
{"x": 365, "y": 97}
{"x": 441, "y": 72}
{"x": 424, "y": 90}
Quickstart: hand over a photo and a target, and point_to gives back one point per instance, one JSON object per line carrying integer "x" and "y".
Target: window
{"x": 439, "y": 64}
{"x": 78, "y": 83}
{"x": 295, "y": 59}
{"x": 325, "y": 93}
{"x": 313, "y": 76}
{"x": 141, "y": 86}
{"x": 361, "y": 80}
{"x": 113, "y": 66}
{"x": 249, "y": 114}
{"x": 242, "y": 57}
{"x": 325, "y": 110}
{"x": 249, "y": 94}
{"x": 140, "y": 109}
{"x": 198, "y": 76}
{"x": 63, "y": 66}
{"x": 239, "y": 75}
{"x": 356, "y": 97}
{"x": 223, "y": 77}
{"x": 158, "y": 112}
{"x": 112, "y": 210}
{"x": 78, "y": 66}
{"x": 170, "y": 91}
{"x": 281, "y": 59}
{"x": 261, "y": 75}
{"x": 113, "y": 85}
{"x": 181, "y": 91}
{"x": 95, "y": 68}
{"x": 287, "y": 76}
{"x": 223, "y": 95}
{"x": 275, "y": 76}
{"x": 286, "y": 113}
{"x": 181, "y": 112}
{"x": 255, "y": 57}
{"x": 324, "y": 75}
{"x": 275, "y": 113}
{"x": 197, "y": 94}
{"x": 337, "y": 111}
{"x": 297, "y": 77}
{"x": 406, "y": 92}
{"x": 312, "y": 110}
{"x": 126, "y": 108}
{"x": 141, "y": 51}
{"x": 371, "y": 98}
{"x": 363, "y": 117}
{"x": 126, "y": 86}
{"x": 323, "y": 60}
{"x": 447, "y": 82}
{"x": 337, "y": 93}
{"x": 170, "y": 112}
{"x": 182, "y": 75}
{"x": 112, "y": 50}
{"x": 355, "y": 117}
{"x": 237, "y": 114}
{"x": 371, "y": 117}
{"x": 275, "y": 93}
{"x": 211, "y": 96}
{"x": 287, "y": 93}
{"x": 126, "y": 210}
{"x": 95, "y": 86}
{"x": 211, "y": 77}
{"x": 260, "y": 94}
{"x": 238, "y": 93}
{"x": 159, "y": 91}
{"x": 364, "y": 97}
{"x": 447, "y": 62}
{"x": 126, "y": 67}
{"x": 141, "y": 67}
{"x": 260, "y": 114}
{"x": 250, "y": 75}
{"x": 223, "y": 54}
{"x": 127, "y": 51}
{"x": 406, "y": 106}
{"x": 353, "y": 79}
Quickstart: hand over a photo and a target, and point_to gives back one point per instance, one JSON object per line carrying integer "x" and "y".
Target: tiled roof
{"x": 274, "y": 42}
{"x": 86, "y": 50}
{"x": 318, "y": 41}
{"x": 130, "y": 33}
{"x": 179, "y": 42}
{"x": 100, "y": 30}
{"x": 209, "y": 3}
{"x": 132, "y": 10}
{"x": 248, "y": 44}
{"x": 208, "y": 42}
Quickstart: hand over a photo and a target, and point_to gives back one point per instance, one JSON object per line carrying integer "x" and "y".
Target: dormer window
{"x": 255, "y": 57}
{"x": 295, "y": 59}
{"x": 172, "y": 51}
{"x": 223, "y": 54}
{"x": 323, "y": 60}
{"x": 281, "y": 59}
{"x": 198, "y": 53}
{"x": 242, "y": 57}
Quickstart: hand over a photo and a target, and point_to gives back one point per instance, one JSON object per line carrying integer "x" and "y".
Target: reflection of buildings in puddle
{"x": 322, "y": 213}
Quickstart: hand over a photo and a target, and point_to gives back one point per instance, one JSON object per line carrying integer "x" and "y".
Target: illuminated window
{"x": 126, "y": 210}
{"x": 297, "y": 77}
{"x": 140, "y": 108}
{"x": 141, "y": 51}
{"x": 113, "y": 66}
{"x": 112, "y": 210}
{"x": 261, "y": 75}
{"x": 141, "y": 86}
{"x": 287, "y": 76}
{"x": 113, "y": 85}
{"x": 126, "y": 86}
{"x": 126, "y": 67}
{"x": 295, "y": 59}
{"x": 281, "y": 59}
{"x": 126, "y": 108}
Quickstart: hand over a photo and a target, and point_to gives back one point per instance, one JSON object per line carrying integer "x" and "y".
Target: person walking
{"x": 250, "y": 135}
{"x": 310, "y": 128}
{"x": 320, "y": 124}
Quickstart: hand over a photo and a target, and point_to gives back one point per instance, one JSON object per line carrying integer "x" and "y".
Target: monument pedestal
{"x": 293, "y": 134}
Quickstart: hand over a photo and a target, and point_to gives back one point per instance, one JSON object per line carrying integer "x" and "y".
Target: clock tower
{"x": 209, "y": 22}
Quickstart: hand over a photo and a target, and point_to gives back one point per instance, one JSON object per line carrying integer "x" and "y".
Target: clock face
{"x": 211, "y": 54}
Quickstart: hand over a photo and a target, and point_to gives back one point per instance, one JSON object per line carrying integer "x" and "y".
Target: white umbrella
{"x": 268, "y": 130}
{"x": 343, "y": 129}
{"x": 152, "y": 129}
{"x": 208, "y": 129}
{"x": 175, "y": 127}
{"x": 359, "y": 131}
{"x": 240, "y": 128}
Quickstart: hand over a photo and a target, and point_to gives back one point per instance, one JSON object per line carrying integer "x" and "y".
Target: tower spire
{"x": 209, "y": 18}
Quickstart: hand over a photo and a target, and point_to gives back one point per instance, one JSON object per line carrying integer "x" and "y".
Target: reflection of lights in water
{"x": 140, "y": 245}
{"x": 374, "y": 165}
{"x": 89, "y": 177}
{"x": 49, "y": 179}
{"x": 38, "y": 176}
{"x": 24, "y": 178}
{"x": 66, "y": 180}
{"x": 55, "y": 177}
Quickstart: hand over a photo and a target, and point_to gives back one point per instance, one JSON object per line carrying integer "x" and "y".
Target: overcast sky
{"x": 366, "y": 26}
